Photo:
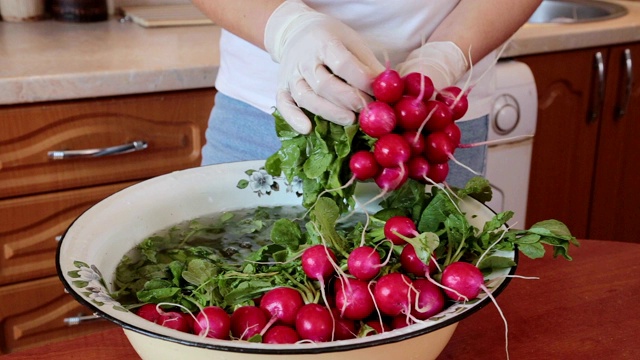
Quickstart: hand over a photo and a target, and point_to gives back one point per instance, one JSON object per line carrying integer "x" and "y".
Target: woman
{"x": 321, "y": 55}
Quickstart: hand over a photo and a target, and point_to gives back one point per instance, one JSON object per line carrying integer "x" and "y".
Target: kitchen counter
{"x": 50, "y": 60}
{"x": 583, "y": 309}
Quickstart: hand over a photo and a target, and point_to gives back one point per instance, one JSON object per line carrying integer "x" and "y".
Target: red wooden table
{"x": 584, "y": 309}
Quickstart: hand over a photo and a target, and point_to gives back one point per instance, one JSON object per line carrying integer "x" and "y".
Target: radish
{"x": 364, "y": 263}
{"x": 247, "y": 321}
{"x": 377, "y": 119}
{"x": 344, "y": 328}
{"x": 213, "y": 322}
{"x": 175, "y": 320}
{"x": 391, "y": 150}
{"x": 440, "y": 116}
{"x": 438, "y": 148}
{"x": 149, "y": 312}
{"x": 378, "y": 327}
{"x": 400, "y": 321}
{"x": 353, "y": 299}
{"x": 391, "y": 178}
{"x": 399, "y": 225}
{"x": 316, "y": 263}
{"x": 393, "y": 295}
{"x": 463, "y": 281}
{"x": 453, "y": 131}
{"x": 281, "y": 334}
{"x": 415, "y": 140}
{"x": 314, "y": 322}
{"x": 455, "y": 99}
{"x": 282, "y": 303}
{"x": 418, "y": 168}
{"x": 388, "y": 86}
{"x": 415, "y": 83}
{"x": 429, "y": 299}
{"x": 363, "y": 165}
{"x": 438, "y": 172}
{"x": 412, "y": 263}
{"x": 411, "y": 113}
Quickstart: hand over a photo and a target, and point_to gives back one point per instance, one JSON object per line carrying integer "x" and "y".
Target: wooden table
{"x": 584, "y": 309}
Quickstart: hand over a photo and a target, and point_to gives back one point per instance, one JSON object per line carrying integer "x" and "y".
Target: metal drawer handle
{"x": 91, "y": 153}
{"x": 76, "y": 320}
{"x": 623, "y": 104}
{"x": 597, "y": 93}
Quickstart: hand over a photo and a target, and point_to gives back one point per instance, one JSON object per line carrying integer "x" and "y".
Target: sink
{"x": 575, "y": 11}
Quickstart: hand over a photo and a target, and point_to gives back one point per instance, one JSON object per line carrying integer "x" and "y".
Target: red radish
{"x": 399, "y": 225}
{"x": 412, "y": 264}
{"x": 314, "y": 322}
{"x": 282, "y": 303}
{"x": 316, "y": 263}
{"x": 175, "y": 320}
{"x": 391, "y": 178}
{"x": 440, "y": 116}
{"x": 388, "y": 86}
{"x": 411, "y": 113}
{"x": 280, "y": 334}
{"x": 377, "y": 327}
{"x": 453, "y": 97}
{"x": 415, "y": 82}
{"x": 149, "y": 312}
{"x": 465, "y": 279}
{"x": 415, "y": 140}
{"x": 429, "y": 300}
{"x": 345, "y": 328}
{"x": 364, "y": 263}
{"x": 439, "y": 148}
{"x": 400, "y": 321}
{"x": 454, "y": 133}
{"x": 247, "y": 321}
{"x": 214, "y": 322}
{"x": 438, "y": 172}
{"x": 353, "y": 299}
{"x": 377, "y": 119}
{"x": 418, "y": 168}
{"x": 391, "y": 150}
{"x": 392, "y": 294}
{"x": 363, "y": 165}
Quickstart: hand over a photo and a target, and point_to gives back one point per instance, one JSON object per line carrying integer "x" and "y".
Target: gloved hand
{"x": 325, "y": 66}
{"x": 442, "y": 61}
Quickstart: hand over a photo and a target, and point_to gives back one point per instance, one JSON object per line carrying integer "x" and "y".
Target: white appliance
{"x": 513, "y": 123}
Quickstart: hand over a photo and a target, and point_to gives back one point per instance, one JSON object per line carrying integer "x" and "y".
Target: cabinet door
{"x": 33, "y": 313}
{"x": 565, "y": 142}
{"x": 616, "y": 199}
{"x": 171, "y": 124}
{"x": 29, "y": 226}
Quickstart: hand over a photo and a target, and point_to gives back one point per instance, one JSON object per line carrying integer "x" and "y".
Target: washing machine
{"x": 511, "y": 135}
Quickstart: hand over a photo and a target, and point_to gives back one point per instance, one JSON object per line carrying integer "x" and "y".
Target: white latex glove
{"x": 325, "y": 66}
{"x": 442, "y": 61}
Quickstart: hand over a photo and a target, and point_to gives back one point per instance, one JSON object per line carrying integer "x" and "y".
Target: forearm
{"x": 479, "y": 27}
{"x": 244, "y": 18}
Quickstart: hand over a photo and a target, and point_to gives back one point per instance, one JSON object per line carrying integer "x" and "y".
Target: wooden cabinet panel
{"x": 32, "y": 313}
{"x": 30, "y": 225}
{"x": 172, "y": 125}
{"x": 616, "y": 201}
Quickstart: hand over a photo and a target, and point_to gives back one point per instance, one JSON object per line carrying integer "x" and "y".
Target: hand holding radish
{"x": 443, "y": 61}
{"x": 325, "y": 66}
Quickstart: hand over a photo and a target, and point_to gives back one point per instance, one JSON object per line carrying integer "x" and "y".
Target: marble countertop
{"x": 50, "y": 60}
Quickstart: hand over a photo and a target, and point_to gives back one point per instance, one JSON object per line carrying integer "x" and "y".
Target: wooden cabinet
{"x": 585, "y": 155}
{"x": 58, "y": 159}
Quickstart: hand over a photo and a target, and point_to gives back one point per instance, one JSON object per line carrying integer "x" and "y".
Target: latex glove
{"x": 443, "y": 62}
{"x": 325, "y": 66}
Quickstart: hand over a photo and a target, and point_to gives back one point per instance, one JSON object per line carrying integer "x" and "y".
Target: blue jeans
{"x": 238, "y": 132}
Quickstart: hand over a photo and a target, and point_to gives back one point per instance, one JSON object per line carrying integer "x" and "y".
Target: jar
{"x": 79, "y": 10}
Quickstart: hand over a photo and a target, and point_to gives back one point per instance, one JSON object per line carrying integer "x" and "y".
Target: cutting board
{"x": 165, "y": 15}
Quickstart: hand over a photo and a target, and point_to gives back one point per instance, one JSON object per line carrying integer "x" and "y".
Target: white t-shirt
{"x": 391, "y": 29}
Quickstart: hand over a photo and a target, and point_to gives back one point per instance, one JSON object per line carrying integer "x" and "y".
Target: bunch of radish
{"x": 414, "y": 129}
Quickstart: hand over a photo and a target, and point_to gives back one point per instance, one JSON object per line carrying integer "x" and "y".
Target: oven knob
{"x": 506, "y": 114}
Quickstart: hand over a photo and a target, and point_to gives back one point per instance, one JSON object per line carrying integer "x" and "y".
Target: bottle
{"x": 79, "y": 10}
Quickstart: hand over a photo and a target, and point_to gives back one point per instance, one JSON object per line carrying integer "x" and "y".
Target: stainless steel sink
{"x": 575, "y": 11}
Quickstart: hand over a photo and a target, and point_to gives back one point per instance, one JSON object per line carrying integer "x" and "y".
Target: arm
{"x": 244, "y": 18}
{"x": 482, "y": 26}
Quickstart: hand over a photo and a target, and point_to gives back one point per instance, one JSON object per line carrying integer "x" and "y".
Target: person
{"x": 322, "y": 55}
